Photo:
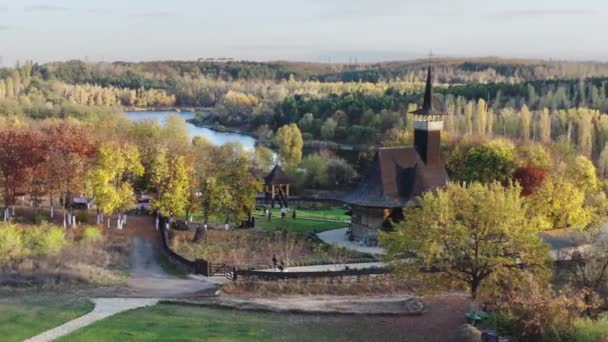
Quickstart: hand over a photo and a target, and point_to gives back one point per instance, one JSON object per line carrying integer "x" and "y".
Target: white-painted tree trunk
{"x": 191, "y": 218}
{"x": 52, "y": 211}
{"x": 156, "y": 225}
{"x": 124, "y": 218}
{"x": 108, "y": 222}
{"x": 13, "y": 210}
{"x": 74, "y": 223}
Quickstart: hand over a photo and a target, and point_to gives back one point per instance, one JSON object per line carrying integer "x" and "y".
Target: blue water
{"x": 217, "y": 138}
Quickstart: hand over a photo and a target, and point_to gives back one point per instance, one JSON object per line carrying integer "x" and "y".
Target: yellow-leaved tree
{"x": 467, "y": 236}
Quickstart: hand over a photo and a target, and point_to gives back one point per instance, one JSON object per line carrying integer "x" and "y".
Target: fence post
{"x": 201, "y": 266}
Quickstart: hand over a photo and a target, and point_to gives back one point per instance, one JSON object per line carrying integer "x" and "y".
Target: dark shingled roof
{"x": 396, "y": 177}
{"x": 276, "y": 176}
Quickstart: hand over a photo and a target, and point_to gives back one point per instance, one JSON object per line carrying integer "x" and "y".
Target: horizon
{"x": 338, "y": 32}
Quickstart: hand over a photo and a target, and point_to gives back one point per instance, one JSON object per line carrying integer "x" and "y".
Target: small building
{"x": 276, "y": 187}
{"x": 399, "y": 174}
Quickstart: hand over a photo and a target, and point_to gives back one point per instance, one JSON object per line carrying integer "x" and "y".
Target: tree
{"x": 170, "y": 178}
{"x": 21, "y": 149}
{"x": 562, "y": 203}
{"x": 590, "y": 271}
{"x": 492, "y": 160}
{"x": 464, "y": 235}
{"x": 530, "y": 178}
{"x": 111, "y": 179}
{"x": 526, "y": 118}
{"x": 339, "y": 173}
{"x": 263, "y": 160}
{"x": 545, "y": 126}
{"x": 70, "y": 153}
{"x": 603, "y": 162}
{"x": 481, "y": 117}
{"x": 290, "y": 143}
{"x": 328, "y": 129}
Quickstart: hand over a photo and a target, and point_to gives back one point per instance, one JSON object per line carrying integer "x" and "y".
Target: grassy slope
{"x": 166, "y": 322}
{"x": 21, "y": 319}
{"x": 298, "y": 225}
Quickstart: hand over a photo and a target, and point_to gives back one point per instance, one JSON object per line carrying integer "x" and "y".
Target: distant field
{"x": 21, "y": 319}
{"x": 165, "y": 322}
{"x": 298, "y": 225}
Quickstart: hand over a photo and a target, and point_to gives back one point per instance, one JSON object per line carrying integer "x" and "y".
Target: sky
{"x": 306, "y": 30}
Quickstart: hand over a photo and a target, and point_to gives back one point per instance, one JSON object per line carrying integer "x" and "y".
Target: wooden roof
{"x": 276, "y": 176}
{"x": 396, "y": 177}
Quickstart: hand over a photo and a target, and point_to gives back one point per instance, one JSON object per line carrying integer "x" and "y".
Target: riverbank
{"x": 168, "y": 109}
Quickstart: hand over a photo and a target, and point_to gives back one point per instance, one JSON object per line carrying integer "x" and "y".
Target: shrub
{"x": 588, "y": 330}
{"x": 12, "y": 244}
{"x": 91, "y": 234}
{"x": 53, "y": 241}
{"x": 467, "y": 333}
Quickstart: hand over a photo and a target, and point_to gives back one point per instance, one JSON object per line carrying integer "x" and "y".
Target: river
{"x": 217, "y": 138}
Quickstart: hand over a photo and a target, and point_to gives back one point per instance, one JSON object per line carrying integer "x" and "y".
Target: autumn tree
{"x": 530, "y": 178}
{"x": 71, "y": 149}
{"x": 111, "y": 179}
{"x": 464, "y": 235}
{"x": 290, "y": 143}
{"x": 490, "y": 161}
{"x": 170, "y": 178}
{"x": 21, "y": 149}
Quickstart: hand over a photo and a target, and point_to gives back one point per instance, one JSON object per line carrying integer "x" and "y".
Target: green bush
{"x": 12, "y": 244}
{"x": 588, "y": 330}
{"x": 91, "y": 234}
{"x": 53, "y": 241}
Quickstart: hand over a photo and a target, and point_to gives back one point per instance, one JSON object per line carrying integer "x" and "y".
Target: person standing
{"x": 293, "y": 214}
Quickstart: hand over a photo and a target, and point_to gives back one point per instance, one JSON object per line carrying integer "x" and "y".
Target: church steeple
{"x": 428, "y": 123}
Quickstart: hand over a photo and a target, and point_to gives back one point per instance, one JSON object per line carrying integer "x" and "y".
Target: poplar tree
{"x": 10, "y": 88}
{"x": 481, "y": 114}
{"x": 525, "y": 120}
{"x": 545, "y": 126}
{"x": 170, "y": 178}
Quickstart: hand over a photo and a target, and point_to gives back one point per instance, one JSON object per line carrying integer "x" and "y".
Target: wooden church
{"x": 399, "y": 174}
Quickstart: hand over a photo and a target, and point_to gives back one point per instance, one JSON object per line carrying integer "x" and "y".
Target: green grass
{"x": 321, "y": 214}
{"x": 297, "y": 225}
{"x": 24, "y": 318}
{"x": 168, "y": 322}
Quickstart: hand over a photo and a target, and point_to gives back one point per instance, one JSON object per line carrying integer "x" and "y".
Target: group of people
{"x": 284, "y": 211}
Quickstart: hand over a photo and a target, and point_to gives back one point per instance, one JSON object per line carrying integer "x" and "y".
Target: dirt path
{"x": 148, "y": 280}
{"x": 148, "y": 283}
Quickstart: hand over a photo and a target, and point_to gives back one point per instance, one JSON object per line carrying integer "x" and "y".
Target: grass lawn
{"x": 168, "y": 322}
{"x": 322, "y": 214}
{"x": 24, "y": 318}
{"x": 297, "y": 225}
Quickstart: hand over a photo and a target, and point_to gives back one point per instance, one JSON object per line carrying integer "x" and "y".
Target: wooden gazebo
{"x": 276, "y": 187}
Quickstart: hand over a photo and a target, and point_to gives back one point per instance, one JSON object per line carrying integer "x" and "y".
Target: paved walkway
{"x": 104, "y": 307}
{"x": 331, "y": 267}
{"x": 338, "y": 236}
{"x": 147, "y": 284}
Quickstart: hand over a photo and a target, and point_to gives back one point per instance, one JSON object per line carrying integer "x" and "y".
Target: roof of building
{"x": 276, "y": 176}
{"x": 396, "y": 177}
{"x": 427, "y": 105}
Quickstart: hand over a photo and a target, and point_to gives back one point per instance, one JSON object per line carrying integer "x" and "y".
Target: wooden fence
{"x": 272, "y": 276}
{"x": 198, "y": 266}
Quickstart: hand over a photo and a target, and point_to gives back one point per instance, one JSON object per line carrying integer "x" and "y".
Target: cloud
{"x": 543, "y": 13}
{"x": 5, "y": 27}
{"x": 45, "y": 8}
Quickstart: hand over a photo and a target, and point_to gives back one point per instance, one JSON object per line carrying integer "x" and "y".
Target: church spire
{"x": 427, "y": 104}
